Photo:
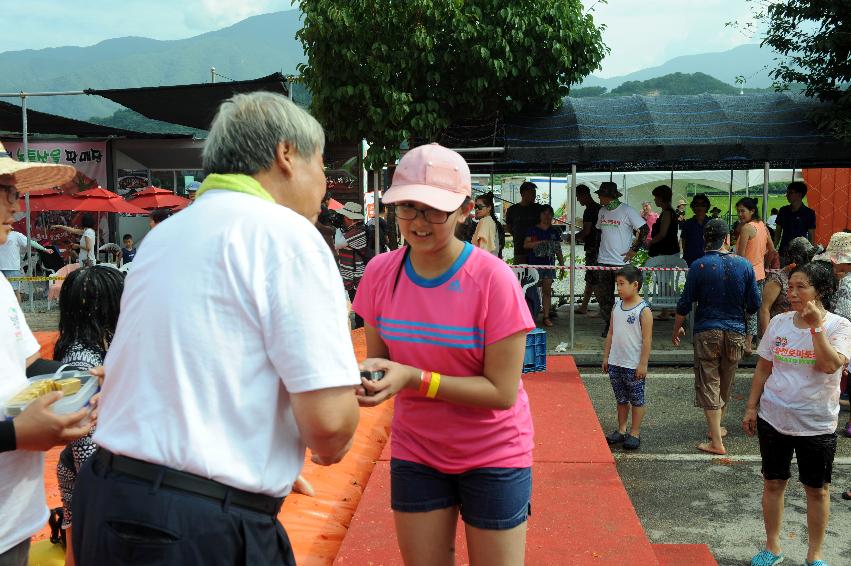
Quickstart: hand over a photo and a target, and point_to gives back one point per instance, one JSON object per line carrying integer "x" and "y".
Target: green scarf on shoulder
{"x": 611, "y": 206}
{"x": 235, "y": 182}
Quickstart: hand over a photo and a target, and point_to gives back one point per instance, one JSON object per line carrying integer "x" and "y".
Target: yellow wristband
{"x": 432, "y": 387}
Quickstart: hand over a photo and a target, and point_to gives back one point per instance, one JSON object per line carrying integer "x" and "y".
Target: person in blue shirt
{"x": 691, "y": 231}
{"x": 724, "y": 287}
{"x": 128, "y": 252}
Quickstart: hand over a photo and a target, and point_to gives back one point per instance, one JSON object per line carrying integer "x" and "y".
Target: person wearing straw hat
{"x": 838, "y": 253}
{"x": 23, "y": 511}
{"x": 623, "y": 231}
{"x": 354, "y": 250}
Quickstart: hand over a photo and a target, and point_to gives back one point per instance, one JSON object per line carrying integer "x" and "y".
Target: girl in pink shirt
{"x": 447, "y": 323}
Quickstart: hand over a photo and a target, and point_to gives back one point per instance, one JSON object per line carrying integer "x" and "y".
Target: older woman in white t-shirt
{"x": 794, "y": 404}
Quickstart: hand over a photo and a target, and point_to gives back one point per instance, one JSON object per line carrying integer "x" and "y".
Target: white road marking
{"x": 696, "y": 457}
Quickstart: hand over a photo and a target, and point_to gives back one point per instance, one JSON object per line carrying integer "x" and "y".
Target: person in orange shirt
{"x": 753, "y": 244}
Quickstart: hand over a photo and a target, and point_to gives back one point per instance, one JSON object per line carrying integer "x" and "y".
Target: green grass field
{"x": 723, "y": 202}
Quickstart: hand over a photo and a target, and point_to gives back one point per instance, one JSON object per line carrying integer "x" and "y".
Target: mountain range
{"x": 252, "y": 48}
{"x": 249, "y": 49}
{"x": 749, "y": 61}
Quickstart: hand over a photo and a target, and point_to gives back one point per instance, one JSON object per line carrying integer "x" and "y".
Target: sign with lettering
{"x": 89, "y": 158}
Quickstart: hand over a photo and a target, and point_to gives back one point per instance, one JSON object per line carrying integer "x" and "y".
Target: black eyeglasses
{"x": 481, "y": 206}
{"x": 11, "y": 193}
{"x": 431, "y": 215}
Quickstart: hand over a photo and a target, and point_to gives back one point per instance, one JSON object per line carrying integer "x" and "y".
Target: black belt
{"x": 189, "y": 483}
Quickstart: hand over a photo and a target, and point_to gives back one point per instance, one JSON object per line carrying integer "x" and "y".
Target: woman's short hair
{"x": 160, "y": 214}
{"x": 88, "y": 220}
{"x": 700, "y": 198}
{"x": 664, "y": 192}
{"x": 820, "y": 276}
{"x": 247, "y": 129}
{"x": 801, "y": 251}
{"x": 750, "y": 204}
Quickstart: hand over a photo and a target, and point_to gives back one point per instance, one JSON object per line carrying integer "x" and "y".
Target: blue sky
{"x": 641, "y": 33}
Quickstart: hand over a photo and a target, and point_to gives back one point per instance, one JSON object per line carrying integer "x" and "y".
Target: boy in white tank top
{"x": 627, "y": 353}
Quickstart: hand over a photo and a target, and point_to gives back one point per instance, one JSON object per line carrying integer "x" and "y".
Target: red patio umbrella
{"x": 334, "y": 204}
{"x": 45, "y": 202}
{"x": 151, "y": 198}
{"x": 102, "y": 200}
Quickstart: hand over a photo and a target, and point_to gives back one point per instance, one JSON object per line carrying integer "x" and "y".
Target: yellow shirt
{"x": 486, "y": 231}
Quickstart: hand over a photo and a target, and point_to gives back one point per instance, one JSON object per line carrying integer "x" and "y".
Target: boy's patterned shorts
{"x": 627, "y": 388}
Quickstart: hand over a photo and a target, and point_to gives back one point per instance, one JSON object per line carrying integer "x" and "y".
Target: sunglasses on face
{"x": 11, "y": 193}
{"x": 481, "y": 206}
{"x": 431, "y": 215}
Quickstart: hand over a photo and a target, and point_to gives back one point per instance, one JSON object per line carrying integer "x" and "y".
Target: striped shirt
{"x": 352, "y": 262}
{"x": 444, "y": 325}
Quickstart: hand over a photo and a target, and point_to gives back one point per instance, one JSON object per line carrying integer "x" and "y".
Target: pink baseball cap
{"x": 433, "y": 175}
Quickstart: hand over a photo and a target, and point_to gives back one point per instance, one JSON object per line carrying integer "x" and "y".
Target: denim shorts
{"x": 488, "y": 498}
{"x": 13, "y": 273}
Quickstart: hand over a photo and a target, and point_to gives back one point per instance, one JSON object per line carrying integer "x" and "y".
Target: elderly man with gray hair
{"x": 231, "y": 354}
{"x": 724, "y": 287}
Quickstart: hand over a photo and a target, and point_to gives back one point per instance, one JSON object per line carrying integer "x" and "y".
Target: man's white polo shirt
{"x": 232, "y": 304}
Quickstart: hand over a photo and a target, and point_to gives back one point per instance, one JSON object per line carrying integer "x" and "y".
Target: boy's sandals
{"x": 631, "y": 442}
{"x": 767, "y": 558}
{"x": 708, "y": 448}
{"x": 548, "y": 322}
{"x": 615, "y": 437}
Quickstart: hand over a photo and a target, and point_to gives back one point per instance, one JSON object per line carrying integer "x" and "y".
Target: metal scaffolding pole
{"x": 730, "y": 213}
{"x": 766, "y": 171}
{"x": 24, "y": 128}
{"x": 572, "y": 229}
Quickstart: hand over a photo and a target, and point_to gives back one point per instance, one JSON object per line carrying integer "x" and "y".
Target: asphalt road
{"x": 683, "y": 496}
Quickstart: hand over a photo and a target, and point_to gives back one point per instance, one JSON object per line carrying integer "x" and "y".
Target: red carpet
{"x": 581, "y": 513}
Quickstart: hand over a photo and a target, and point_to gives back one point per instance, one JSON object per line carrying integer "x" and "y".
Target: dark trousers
{"x": 358, "y": 323}
{"x": 120, "y": 520}
{"x": 18, "y": 555}
{"x": 604, "y": 289}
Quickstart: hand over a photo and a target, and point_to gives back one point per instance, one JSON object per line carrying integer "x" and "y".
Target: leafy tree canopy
{"x": 391, "y": 70}
{"x": 814, "y": 39}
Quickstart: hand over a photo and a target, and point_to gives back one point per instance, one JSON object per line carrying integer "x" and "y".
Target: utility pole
{"x": 212, "y": 74}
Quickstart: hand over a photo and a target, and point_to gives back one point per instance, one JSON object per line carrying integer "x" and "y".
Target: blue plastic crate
{"x": 535, "y": 358}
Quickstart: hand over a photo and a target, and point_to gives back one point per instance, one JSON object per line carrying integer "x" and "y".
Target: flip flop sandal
{"x": 631, "y": 442}
{"x": 548, "y": 322}
{"x": 723, "y": 433}
{"x": 846, "y": 495}
{"x": 767, "y": 558}
{"x": 706, "y": 447}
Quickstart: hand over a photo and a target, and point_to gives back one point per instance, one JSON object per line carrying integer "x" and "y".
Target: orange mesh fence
{"x": 316, "y": 525}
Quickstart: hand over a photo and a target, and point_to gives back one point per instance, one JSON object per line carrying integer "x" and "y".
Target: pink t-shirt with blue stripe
{"x": 443, "y": 325}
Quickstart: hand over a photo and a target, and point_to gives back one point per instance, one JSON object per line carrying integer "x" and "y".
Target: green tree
{"x": 814, "y": 39}
{"x": 390, "y": 70}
